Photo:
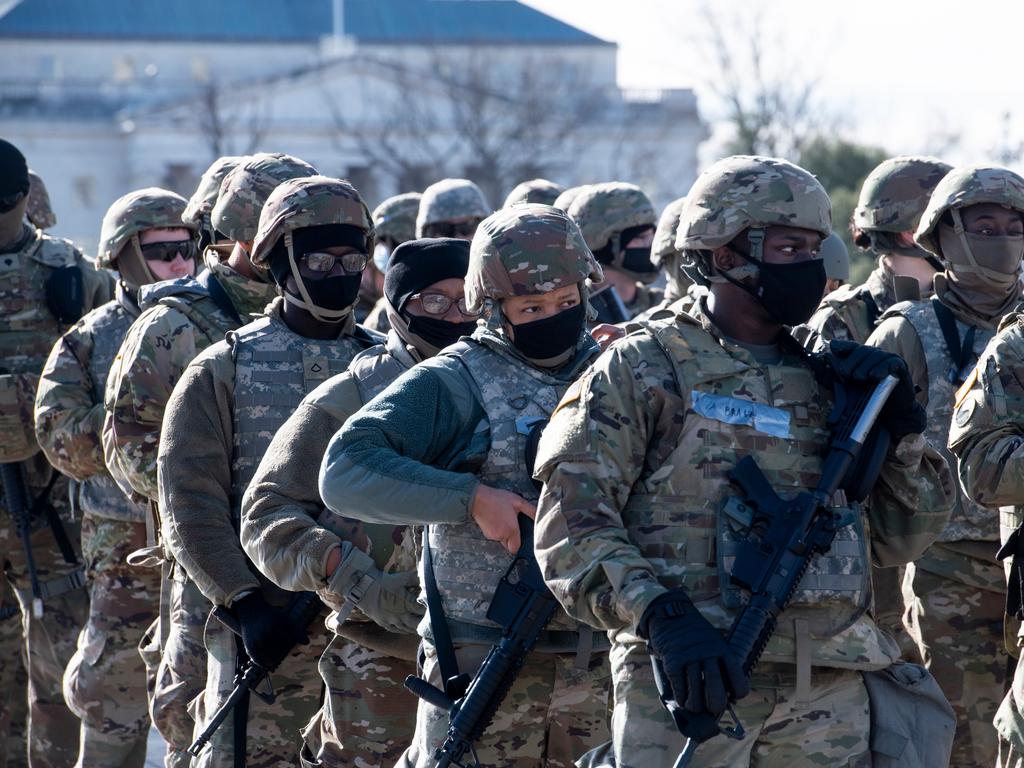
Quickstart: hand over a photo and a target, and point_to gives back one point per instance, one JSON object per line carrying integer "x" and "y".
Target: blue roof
{"x": 382, "y": 21}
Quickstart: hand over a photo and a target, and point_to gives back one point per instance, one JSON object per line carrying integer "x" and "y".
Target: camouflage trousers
{"x": 367, "y": 717}
{"x": 887, "y": 591}
{"x": 273, "y": 730}
{"x": 174, "y": 646}
{"x": 954, "y": 614}
{"x": 49, "y": 640}
{"x": 1009, "y": 724}
{"x": 105, "y": 682}
{"x": 554, "y": 713}
{"x": 830, "y": 727}
{"x": 13, "y": 683}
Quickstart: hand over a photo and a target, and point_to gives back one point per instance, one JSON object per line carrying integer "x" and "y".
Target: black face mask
{"x": 437, "y": 332}
{"x": 638, "y": 260}
{"x": 790, "y": 292}
{"x": 333, "y": 293}
{"x": 552, "y": 336}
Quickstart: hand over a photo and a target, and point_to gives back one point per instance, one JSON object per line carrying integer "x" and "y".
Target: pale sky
{"x": 903, "y": 74}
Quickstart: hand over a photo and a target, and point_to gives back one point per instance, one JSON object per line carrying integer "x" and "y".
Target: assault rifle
{"x": 16, "y": 498}
{"x": 523, "y": 606}
{"x": 784, "y": 536}
{"x": 302, "y": 611}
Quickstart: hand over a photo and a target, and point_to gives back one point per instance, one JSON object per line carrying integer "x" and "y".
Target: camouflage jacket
{"x": 179, "y": 320}
{"x": 69, "y": 405}
{"x": 218, "y": 422}
{"x": 912, "y": 330}
{"x": 647, "y": 297}
{"x": 845, "y": 313}
{"x": 377, "y": 319}
{"x": 411, "y": 455}
{"x": 987, "y": 429}
{"x": 637, "y": 493}
{"x": 286, "y": 530}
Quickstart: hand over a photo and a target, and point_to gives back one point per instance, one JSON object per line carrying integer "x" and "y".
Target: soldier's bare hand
{"x": 605, "y": 333}
{"x": 497, "y": 513}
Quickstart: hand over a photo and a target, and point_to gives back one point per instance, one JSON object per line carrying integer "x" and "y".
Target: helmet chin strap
{"x": 306, "y": 303}
{"x": 989, "y": 276}
{"x": 756, "y": 239}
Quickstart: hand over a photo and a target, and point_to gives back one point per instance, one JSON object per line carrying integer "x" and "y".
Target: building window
{"x": 84, "y": 188}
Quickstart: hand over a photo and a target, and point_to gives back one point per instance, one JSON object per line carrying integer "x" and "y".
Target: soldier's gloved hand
{"x": 704, "y": 673}
{"x": 902, "y": 414}
{"x": 267, "y": 634}
{"x": 389, "y": 599}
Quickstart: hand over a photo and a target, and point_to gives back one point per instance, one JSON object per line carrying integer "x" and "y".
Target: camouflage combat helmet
{"x": 534, "y": 191}
{"x": 526, "y": 249}
{"x": 748, "y": 192}
{"x": 149, "y": 208}
{"x": 203, "y": 199}
{"x": 564, "y": 200}
{"x": 450, "y": 199}
{"x": 395, "y": 218}
{"x": 664, "y": 244}
{"x": 246, "y": 188}
{"x": 963, "y": 187}
{"x": 38, "y": 209}
{"x": 309, "y": 201}
{"x": 895, "y": 194}
{"x": 603, "y": 210}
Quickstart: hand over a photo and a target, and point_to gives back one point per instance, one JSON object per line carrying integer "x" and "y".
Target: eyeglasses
{"x": 454, "y": 228}
{"x": 352, "y": 262}
{"x": 169, "y": 251}
{"x": 439, "y": 304}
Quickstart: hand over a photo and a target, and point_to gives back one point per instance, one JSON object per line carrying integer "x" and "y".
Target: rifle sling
{"x": 240, "y": 714}
{"x": 960, "y": 353}
{"x": 41, "y": 504}
{"x": 439, "y": 629}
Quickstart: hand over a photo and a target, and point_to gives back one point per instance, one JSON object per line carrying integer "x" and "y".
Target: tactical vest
{"x": 274, "y": 369}
{"x": 686, "y": 518}
{"x": 968, "y": 521}
{"x": 107, "y": 326}
{"x": 514, "y": 396}
{"x": 372, "y": 371}
{"x": 856, "y": 309}
{"x": 27, "y": 332}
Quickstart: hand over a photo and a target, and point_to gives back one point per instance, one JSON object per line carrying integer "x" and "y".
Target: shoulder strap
{"x": 960, "y": 353}
{"x": 218, "y": 294}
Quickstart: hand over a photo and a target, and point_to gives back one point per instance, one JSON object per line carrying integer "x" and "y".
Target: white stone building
{"x": 104, "y": 96}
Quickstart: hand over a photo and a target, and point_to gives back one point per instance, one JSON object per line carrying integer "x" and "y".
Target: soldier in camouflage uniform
{"x": 199, "y": 211}
{"x": 31, "y": 265}
{"x": 681, "y": 292}
{"x": 315, "y": 235}
{"x": 635, "y": 528}
{"x": 13, "y": 678}
{"x": 837, "y": 262}
{"x": 451, "y": 208}
{"x": 955, "y": 594}
{"x": 179, "y": 320}
{"x": 534, "y": 191}
{"x": 986, "y": 433}
{"x": 445, "y": 446}
{"x": 38, "y": 210}
{"x": 618, "y": 222}
{"x": 144, "y": 240}
{"x": 394, "y": 221}
{"x": 892, "y": 199}
{"x": 299, "y": 545}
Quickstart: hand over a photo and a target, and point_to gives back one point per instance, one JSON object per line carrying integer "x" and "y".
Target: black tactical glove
{"x": 704, "y": 673}
{"x": 857, "y": 363}
{"x": 267, "y": 634}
